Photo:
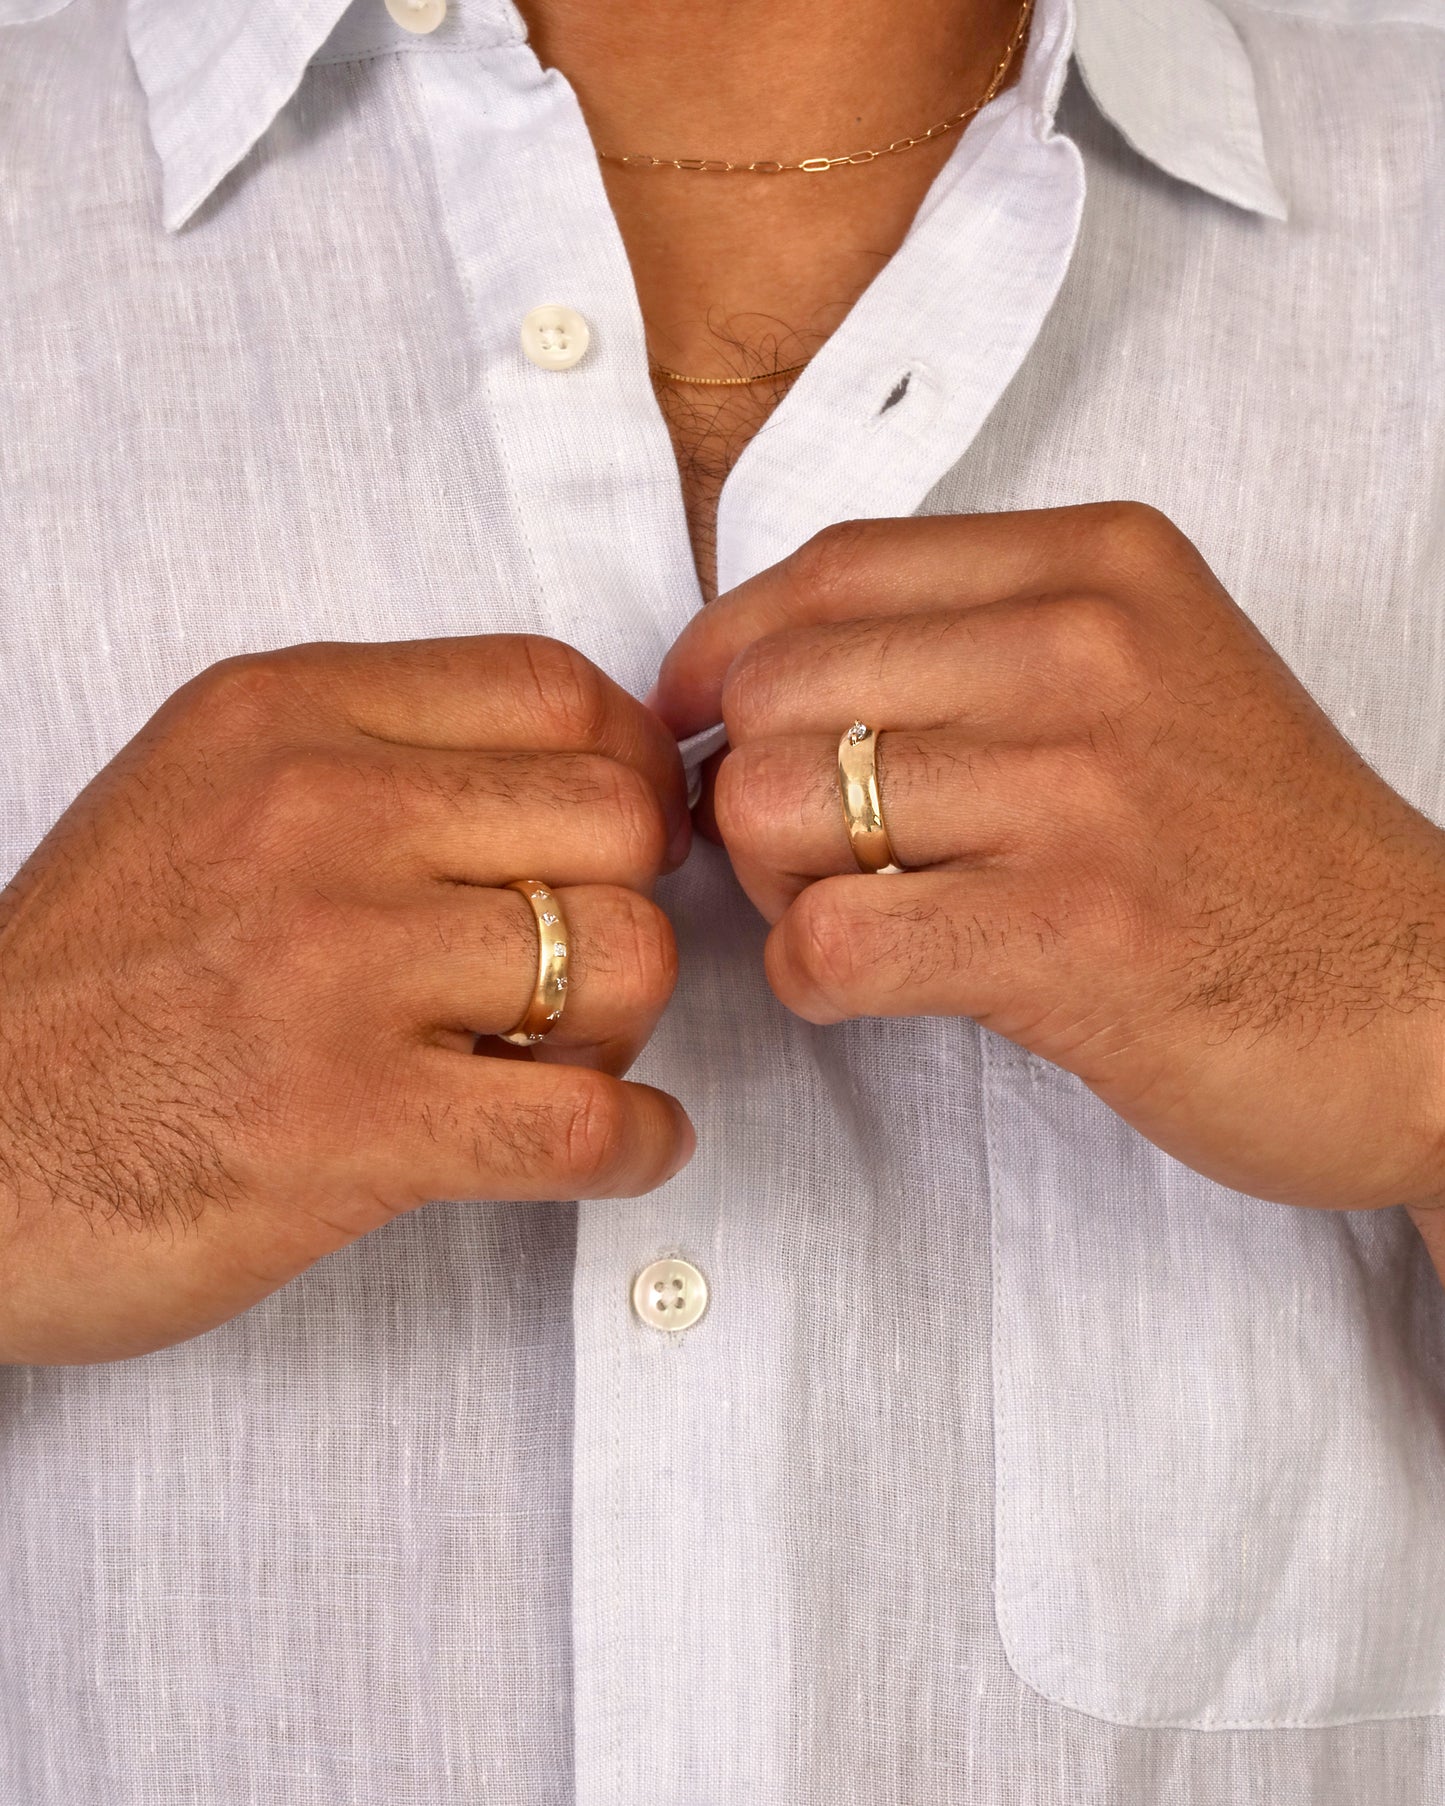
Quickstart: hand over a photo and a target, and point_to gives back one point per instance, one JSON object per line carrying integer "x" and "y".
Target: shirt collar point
{"x": 1268, "y": 202}
{"x": 214, "y": 81}
{"x": 176, "y": 210}
{"x": 1238, "y": 174}
{"x": 1253, "y": 191}
{"x": 1175, "y": 78}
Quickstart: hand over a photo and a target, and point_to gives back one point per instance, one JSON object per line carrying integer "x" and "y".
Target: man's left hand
{"x": 1134, "y": 844}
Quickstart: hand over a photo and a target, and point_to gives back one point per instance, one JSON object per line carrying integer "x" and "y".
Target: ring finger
{"x": 464, "y": 964}
{"x": 948, "y": 801}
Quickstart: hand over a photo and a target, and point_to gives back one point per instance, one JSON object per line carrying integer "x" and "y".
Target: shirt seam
{"x": 377, "y": 51}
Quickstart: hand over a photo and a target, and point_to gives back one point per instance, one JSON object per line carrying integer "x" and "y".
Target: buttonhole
{"x": 897, "y": 392}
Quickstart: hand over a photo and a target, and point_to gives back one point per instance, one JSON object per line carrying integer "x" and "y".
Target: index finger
{"x": 504, "y": 692}
{"x": 866, "y": 568}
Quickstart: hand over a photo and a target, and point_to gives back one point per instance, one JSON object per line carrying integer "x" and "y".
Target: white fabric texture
{"x": 1012, "y": 1463}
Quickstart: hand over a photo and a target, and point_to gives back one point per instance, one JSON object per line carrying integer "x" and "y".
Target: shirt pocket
{"x": 1219, "y": 1433}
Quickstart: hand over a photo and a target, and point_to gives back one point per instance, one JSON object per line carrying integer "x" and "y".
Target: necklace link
{"x": 728, "y": 382}
{"x": 772, "y": 166}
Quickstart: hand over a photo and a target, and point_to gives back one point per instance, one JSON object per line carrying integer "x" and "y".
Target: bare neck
{"x": 745, "y": 274}
{"x": 746, "y": 79}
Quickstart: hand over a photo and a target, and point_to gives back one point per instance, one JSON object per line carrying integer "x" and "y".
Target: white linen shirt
{"x": 1012, "y": 1461}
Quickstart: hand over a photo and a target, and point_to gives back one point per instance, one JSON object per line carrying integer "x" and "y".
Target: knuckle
{"x": 827, "y": 564}
{"x": 239, "y": 692}
{"x": 567, "y": 689}
{"x": 645, "y": 950}
{"x": 756, "y": 682}
{"x": 1099, "y": 645}
{"x": 592, "y": 1132}
{"x": 633, "y": 815}
{"x": 297, "y": 791}
{"x": 754, "y": 796}
{"x": 1132, "y": 533}
{"x": 825, "y": 942}
{"x": 734, "y": 799}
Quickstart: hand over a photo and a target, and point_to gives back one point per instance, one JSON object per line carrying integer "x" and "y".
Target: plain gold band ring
{"x": 549, "y": 995}
{"x": 862, "y": 807}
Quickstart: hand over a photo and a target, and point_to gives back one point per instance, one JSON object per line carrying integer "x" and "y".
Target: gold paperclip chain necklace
{"x": 771, "y": 166}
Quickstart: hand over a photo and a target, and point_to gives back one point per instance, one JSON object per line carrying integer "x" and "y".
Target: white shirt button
{"x": 555, "y": 337}
{"x": 419, "y": 16}
{"x": 670, "y": 1294}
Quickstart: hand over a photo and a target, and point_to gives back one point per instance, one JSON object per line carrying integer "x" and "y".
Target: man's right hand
{"x": 242, "y": 979}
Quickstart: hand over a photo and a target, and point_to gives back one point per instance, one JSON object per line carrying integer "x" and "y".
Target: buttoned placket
{"x": 671, "y": 1412}
{"x": 537, "y": 249}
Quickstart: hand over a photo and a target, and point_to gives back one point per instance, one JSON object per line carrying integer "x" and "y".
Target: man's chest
{"x": 307, "y": 416}
{"x": 297, "y": 421}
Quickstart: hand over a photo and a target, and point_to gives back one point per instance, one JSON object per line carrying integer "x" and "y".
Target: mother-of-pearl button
{"x": 669, "y": 1294}
{"x": 555, "y": 337}
{"x": 419, "y": 16}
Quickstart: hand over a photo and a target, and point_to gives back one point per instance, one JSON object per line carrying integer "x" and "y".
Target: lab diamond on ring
{"x": 857, "y": 732}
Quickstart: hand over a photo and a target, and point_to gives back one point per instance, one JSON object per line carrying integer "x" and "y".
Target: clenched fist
{"x": 244, "y": 981}
{"x": 1136, "y": 846}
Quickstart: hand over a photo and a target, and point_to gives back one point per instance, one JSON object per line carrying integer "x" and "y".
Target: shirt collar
{"x": 215, "y": 76}
{"x": 1175, "y": 78}
{"x": 1172, "y": 75}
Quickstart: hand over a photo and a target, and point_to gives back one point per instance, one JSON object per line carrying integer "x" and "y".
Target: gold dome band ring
{"x": 549, "y": 995}
{"x": 862, "y": 807}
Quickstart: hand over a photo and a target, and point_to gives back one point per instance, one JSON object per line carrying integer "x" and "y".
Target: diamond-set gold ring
{"x": 549, "y": 994}
{"x": 862, "y": 805}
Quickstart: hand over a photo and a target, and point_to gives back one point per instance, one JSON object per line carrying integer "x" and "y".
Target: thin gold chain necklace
{"x": 771, "y": 166}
